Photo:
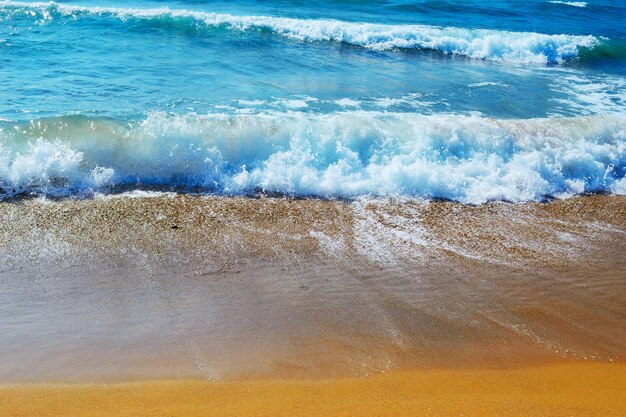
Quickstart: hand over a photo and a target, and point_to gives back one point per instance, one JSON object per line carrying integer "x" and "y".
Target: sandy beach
{"x": 165, "y": 304}
{"x": 330, "y": 208}
{"x": 564, "y": 390}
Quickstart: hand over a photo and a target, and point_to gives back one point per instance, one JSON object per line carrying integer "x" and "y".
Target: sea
{"x": 464, "y": 100}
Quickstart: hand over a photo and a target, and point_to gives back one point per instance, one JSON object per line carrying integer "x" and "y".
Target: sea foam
{"x": 491, "y": 45}
{"x": 470, "y": 159}
{"x": 570, "y": 3}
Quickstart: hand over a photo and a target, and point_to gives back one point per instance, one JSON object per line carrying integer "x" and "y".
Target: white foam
{"x": 570, "y": 3}
{"x": 385, "y": 237}
{"x": 487, "y": 84}
{"x": 471, "y": 159}
{"x": 134, "y": 194}
{"x": 346, "y": 102}
{"x": 251, "y": 102}
{"x": 590, "y": 95}
{"x": 493, "y": 45}
{"x": 293, "y": 104}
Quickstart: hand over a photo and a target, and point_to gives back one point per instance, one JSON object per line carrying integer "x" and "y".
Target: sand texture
{"x": 565, "y": 390}
{"x": 123, "y": 289}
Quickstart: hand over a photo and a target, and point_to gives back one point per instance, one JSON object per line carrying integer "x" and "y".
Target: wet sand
{"x": 564, "y": 390}
{"x": 177, "y": 286}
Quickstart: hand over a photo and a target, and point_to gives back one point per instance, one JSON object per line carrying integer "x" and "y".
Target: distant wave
{"x": 469, "y": 159}
{"x": 492, "y": 45}
{"x": 570, "y": 3}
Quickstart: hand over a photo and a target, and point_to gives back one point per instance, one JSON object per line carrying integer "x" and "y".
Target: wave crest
{"x": 492, "y": 45}
{"x": 464, "y": 158}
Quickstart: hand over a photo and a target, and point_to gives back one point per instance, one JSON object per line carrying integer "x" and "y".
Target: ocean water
{"x": 465, "y": 100}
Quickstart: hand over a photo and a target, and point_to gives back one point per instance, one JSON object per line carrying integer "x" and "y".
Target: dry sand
{"x": 564, "y": 390}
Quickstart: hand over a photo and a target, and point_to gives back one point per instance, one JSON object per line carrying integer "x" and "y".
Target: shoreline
{"x": 180, "y": 287}
{"x": 567, "y": 389}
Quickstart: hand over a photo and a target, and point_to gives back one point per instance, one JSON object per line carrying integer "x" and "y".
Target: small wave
{"x": 487, "y": 84}
{"x": 570, "y": 3}
{"x": 470, "y": 159}
{"x": 612, "y": 52}
{"x": 491, "y": 45}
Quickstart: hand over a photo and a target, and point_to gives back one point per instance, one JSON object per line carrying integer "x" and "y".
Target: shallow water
{"x": 165, "y": 286}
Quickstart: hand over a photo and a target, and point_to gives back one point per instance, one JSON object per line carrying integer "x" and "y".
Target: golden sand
{"x": 575, "y": 389}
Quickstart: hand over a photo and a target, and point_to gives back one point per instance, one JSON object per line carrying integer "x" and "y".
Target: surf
{"x": 481, "y": 44}
{"x": 470, "y": 159}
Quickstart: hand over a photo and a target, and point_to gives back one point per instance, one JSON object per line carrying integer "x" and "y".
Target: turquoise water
{"x": 465, "y": 100}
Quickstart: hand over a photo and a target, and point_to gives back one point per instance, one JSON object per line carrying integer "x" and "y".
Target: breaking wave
{"x": 491, "y": 45}
{"x": 470, "y": 159}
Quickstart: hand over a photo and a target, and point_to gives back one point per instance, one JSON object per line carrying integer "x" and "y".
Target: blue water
{"x": 465, "y": 100}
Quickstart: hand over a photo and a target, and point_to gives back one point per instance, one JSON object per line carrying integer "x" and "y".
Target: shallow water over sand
{"x": 172, "y": 285}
